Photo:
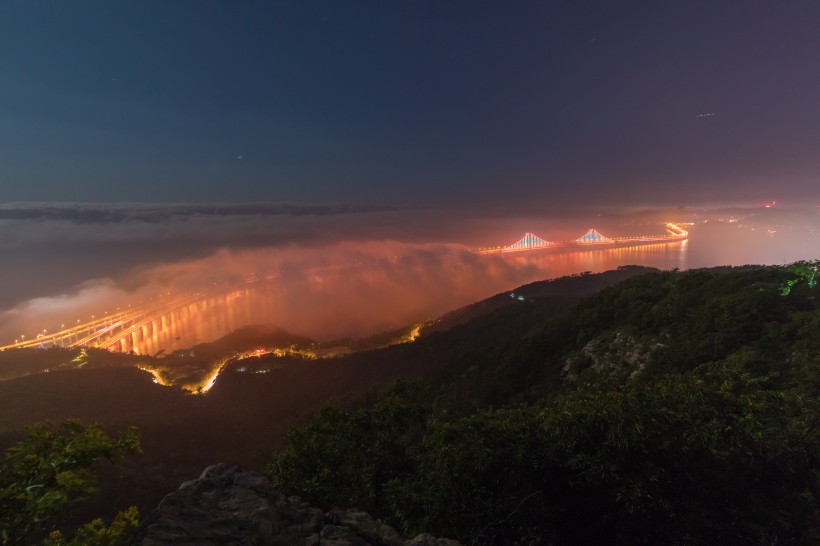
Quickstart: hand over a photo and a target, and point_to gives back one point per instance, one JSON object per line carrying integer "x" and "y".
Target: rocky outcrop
{"x": 607, "y": 353}
{"x": 227, "y": 505}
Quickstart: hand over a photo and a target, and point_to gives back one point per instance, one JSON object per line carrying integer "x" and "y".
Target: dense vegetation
{"x": 675, "y": 407}
{"x": 53, "y": 468}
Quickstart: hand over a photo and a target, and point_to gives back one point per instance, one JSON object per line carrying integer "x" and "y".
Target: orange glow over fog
{"x": 350, "y": 289}
{"x": 369, "y": 297}
{"x": 196, "y": 322}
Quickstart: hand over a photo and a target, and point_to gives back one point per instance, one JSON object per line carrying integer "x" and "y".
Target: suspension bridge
{"x": 157, "y": 325}
{"x": 146, "y": 327}
{"x": 121, "y": 331}
{"x": 592, "y": 238}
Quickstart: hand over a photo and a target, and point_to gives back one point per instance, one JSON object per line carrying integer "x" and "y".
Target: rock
{"x": 426, "y": 539}
{"x": 230, "y": 506}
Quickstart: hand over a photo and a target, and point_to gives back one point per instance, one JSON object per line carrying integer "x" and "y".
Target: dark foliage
{"x": 673, "y": 408}
{"x": 41, "y": 476}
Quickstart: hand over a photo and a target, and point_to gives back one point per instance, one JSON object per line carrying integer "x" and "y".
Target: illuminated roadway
{"x": 122, "y": 330}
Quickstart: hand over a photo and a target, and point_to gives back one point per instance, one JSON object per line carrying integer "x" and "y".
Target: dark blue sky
{"x": 419, "y": 102}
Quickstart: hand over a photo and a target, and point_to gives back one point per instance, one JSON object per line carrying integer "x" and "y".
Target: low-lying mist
{"x": 342, "y": 289}
{"x": 332, "y": 271}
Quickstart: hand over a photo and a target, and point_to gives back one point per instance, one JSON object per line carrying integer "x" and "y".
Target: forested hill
{"x": 244, "y": 417}
{"x": 672, "y": 408}
{"x": 630, "y": 407}
{"x": 569, "y": 288}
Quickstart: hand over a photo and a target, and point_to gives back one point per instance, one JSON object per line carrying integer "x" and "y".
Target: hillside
{"x": 634, "y": 406}
{"x": 674, "y": 407}
{"x": 243, "y": 418}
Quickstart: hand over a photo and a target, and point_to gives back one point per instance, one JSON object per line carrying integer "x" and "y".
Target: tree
{"x": 806, "y": 271}
{"x": 51, "y": 469}
{"x": 97, "y": 533}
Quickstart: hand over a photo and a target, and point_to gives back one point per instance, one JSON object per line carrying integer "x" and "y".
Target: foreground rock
{"x": 227, "y": 505}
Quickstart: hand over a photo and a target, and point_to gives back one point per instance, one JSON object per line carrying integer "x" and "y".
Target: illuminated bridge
{"x": 156, "y": 325}
{"x": 170, "y": 322}
{"x": 593, "y": 237}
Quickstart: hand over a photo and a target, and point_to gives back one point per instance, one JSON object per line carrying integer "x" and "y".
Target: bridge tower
{"x": 593, "y": 237}
{"x": 529, "y": 241}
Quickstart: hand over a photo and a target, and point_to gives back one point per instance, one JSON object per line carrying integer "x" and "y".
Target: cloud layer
{"x": 335, "y": 269}
{"x": 340, "y": 289}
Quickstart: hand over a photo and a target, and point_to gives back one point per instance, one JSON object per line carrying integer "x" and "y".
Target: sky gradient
{"x": 422, "y": 102}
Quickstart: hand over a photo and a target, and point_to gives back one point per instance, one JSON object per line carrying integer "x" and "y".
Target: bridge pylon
{"x": 593, "y": 237}
{"x": 529, "y": 241}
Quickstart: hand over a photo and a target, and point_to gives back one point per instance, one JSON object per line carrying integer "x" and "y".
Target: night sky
{"x": 422, "y": 102}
